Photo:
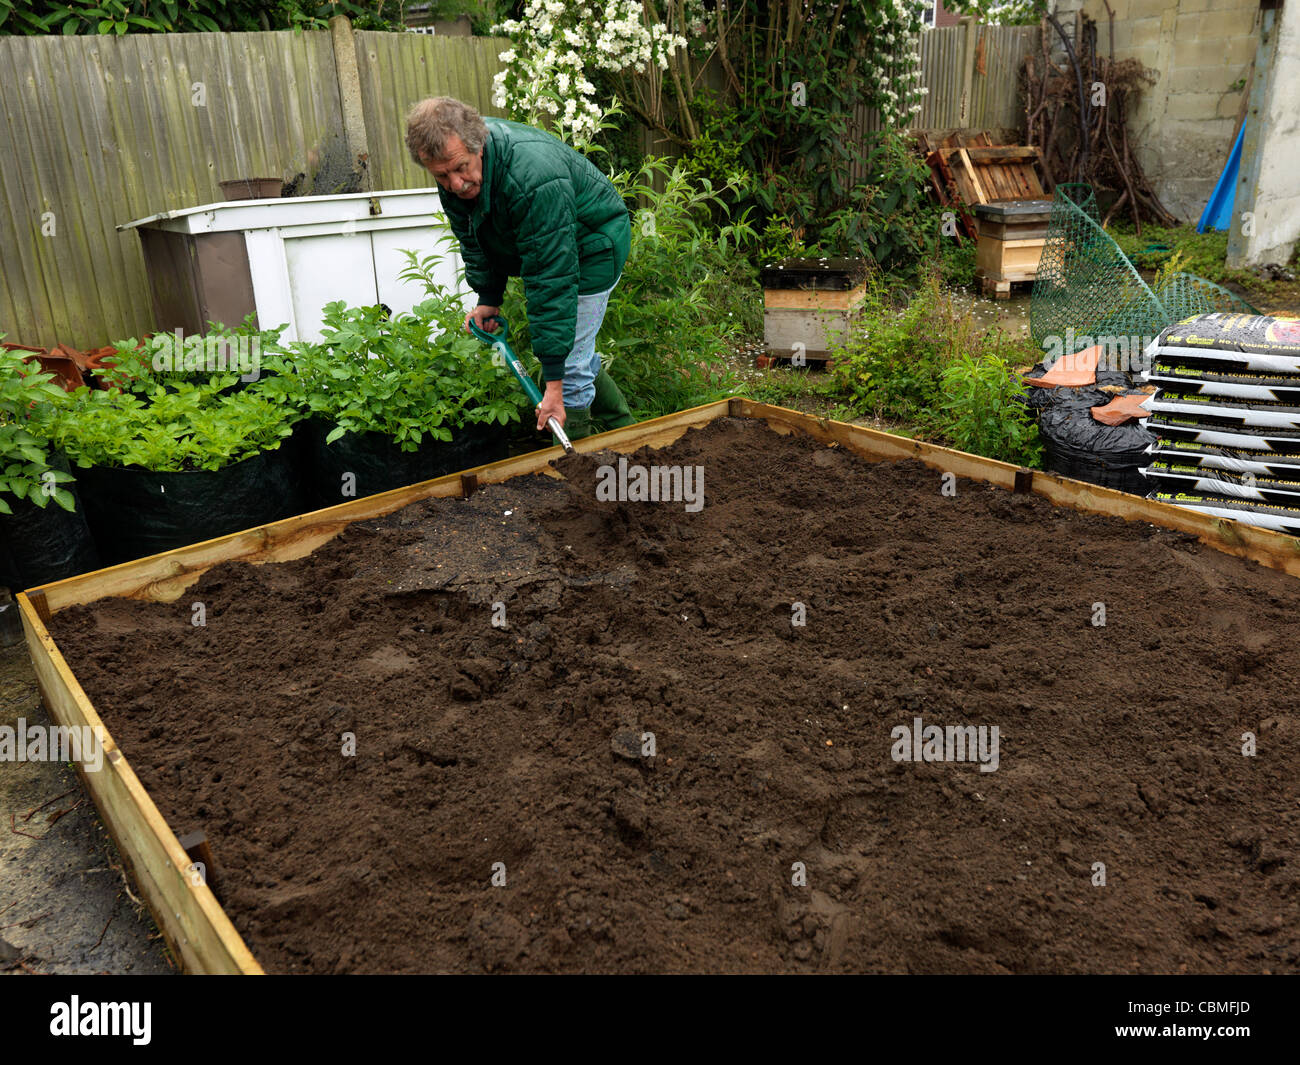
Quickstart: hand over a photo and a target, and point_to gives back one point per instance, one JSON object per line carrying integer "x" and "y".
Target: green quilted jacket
{"x": 545, "y": 214}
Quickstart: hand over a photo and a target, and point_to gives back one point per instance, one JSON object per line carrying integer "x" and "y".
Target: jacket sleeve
{"x": 488, "y": 283}
{"x": 547, "y": 238}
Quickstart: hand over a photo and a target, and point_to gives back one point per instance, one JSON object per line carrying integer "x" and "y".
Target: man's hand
{"x": 552, "y": 405}
{"x": 480, "y": 316}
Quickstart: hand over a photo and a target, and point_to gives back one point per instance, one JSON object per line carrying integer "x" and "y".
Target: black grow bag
{"x": 1077, "y": 445}
{"x": 43, "y": 544}
{"x": 134, "y": 512}
{"x": 376, "y": 464}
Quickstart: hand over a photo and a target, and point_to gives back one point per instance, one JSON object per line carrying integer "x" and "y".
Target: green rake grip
{"x": 498, "y": 341}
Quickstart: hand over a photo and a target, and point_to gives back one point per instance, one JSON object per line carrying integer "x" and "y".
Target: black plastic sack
{"x": 43, "y": 544}
{"x": 1038, "y": 398}
{"x": 134, "y": 512}
{"x": 1076, "y": 445}
{"x": 365, "y": 464}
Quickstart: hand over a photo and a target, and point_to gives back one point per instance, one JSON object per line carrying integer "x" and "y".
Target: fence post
{"x": 349, "y": 83}
{"x": 968, "y": 71}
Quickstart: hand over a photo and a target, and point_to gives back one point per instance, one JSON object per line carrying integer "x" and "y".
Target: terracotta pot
{"x": 66, "y": 371}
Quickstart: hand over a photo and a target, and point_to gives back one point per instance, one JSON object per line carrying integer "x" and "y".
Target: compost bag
{"x": 134, "y": 512}
{"x": 1222, "y": 336}
{"x": 43, "y": 544}
{"x": 1249, "y": 512}
{"x": 1216, "y": 379}
{"x": 1223, "y": 432}
{"x": 362, "y": 464}
{"x": 1076, "y": 445}
{"x": 1168, "y": 476}
{"x": 1225, "y": 409}
{"x": 1275, "y": 465}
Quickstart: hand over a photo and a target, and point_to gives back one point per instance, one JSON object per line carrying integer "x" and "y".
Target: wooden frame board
{"x": 198, "y": 931}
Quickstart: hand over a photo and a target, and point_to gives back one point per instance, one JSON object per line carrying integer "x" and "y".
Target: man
{"x": 523, "y": 203}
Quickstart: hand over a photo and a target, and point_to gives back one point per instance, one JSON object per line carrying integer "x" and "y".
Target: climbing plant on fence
{"x": 783, "y": 121}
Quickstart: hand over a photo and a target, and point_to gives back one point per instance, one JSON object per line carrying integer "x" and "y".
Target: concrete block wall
{"x": 1270, "y": 188}
{"x": 1203, "y": 52}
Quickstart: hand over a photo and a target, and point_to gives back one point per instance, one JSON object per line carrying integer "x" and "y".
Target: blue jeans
{"x": 583, "y": 362}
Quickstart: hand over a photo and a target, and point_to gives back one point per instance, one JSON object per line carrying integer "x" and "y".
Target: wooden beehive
{"x": 1011, "y": 238}
{"x": 808, "y": 305}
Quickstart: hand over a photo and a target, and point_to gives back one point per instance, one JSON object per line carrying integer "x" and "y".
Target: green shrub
{"x": 981, "y": 410}
{"x": 957, "y": 263}
{"x": 890, "y": 364}
{"x": 922, "y": 363}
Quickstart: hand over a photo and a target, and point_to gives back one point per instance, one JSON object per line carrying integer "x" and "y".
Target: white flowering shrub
{"x": 1000, "y": 12}
{"x": 892, "y": 29}
{"x": 556, "y": 45}
{"x": 764, "y": 97}
{"x": 557, "y": 48}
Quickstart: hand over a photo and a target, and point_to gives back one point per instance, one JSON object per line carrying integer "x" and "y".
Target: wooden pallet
{"x": 967, "y": 168}
{"x": 193, "y": 923}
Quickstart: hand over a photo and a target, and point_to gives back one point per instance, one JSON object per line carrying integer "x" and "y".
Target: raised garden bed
{"x": 475, "y": 745}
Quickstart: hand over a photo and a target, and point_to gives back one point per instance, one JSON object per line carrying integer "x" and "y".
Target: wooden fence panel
{"x": 400, "y": 69}
{"x": 96, "y": 131}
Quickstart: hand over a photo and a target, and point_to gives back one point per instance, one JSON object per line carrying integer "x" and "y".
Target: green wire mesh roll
{"x": 1086, "y": 288}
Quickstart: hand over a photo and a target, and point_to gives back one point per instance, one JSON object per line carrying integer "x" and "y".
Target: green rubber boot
{"x": 609, "y": 410}
{"x": 577, "y": 424}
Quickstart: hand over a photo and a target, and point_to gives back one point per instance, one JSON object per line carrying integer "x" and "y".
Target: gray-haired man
{"x": 523, "y": 203}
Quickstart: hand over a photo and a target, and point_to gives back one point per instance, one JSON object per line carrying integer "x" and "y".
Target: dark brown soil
{"x": 478, "y": 745}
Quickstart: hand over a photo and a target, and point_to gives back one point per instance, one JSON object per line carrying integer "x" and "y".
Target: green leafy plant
{"x": 890, "y": 364}
{"x": 888, "y": 217}
{"x": 920, "y": 361}
{"x": 981, "y": 409}
{"x": 957, "y": 263}
{"x": 686, "y": 294}
{"x": 408, "y": 375}
{"x": 185, "y": 426}
{"x": 25, "y": 470}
